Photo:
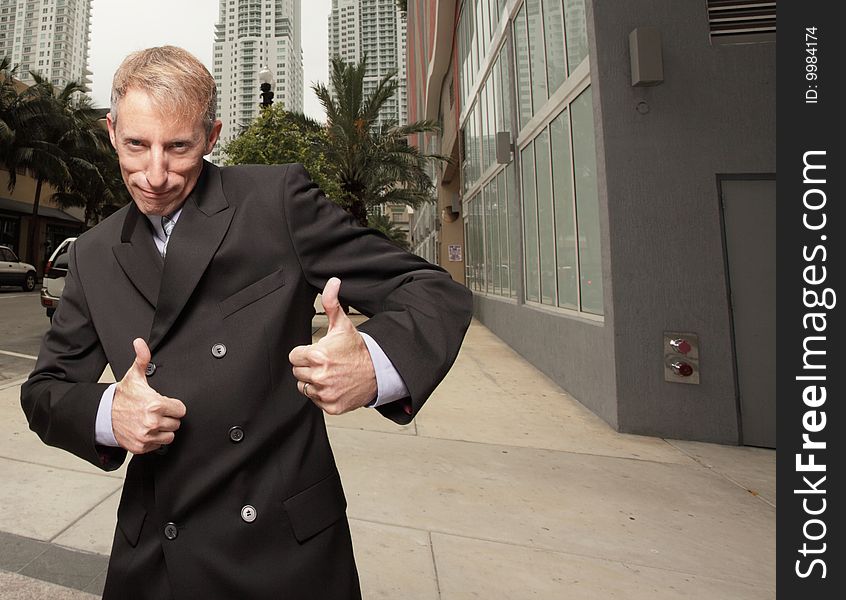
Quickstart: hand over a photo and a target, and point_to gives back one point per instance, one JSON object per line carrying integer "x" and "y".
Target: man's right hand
{"x": 142, "y": 419}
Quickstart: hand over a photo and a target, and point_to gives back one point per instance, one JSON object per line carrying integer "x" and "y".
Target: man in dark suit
{"x": 200, "y": 292}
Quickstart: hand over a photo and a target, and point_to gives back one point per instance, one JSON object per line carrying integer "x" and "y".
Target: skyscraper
{"x": 47, "y": 37}
{"x": 251, "y": 35}
{"x": 375, "y": 28}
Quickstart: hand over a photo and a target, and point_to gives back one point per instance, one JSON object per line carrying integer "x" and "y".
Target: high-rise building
{"x": 375, "y": 29}
{"x": 48, "y": 37}
{"x": 251, "y": 35}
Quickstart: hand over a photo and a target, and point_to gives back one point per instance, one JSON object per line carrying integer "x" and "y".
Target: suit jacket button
{"x": 151, "y": 368}
{"x": 236, "y": 434}
{"x": 218, "y": 350}
{"x": 248, "y": 513}
{"x": 170, "y": 531}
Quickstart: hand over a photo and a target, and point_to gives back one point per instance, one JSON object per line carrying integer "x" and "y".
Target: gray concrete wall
{"x": 575, "y": 353}
{"x": 714, "y": 114}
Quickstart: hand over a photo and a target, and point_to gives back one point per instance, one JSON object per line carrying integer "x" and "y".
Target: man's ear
{"x": 110, "y": 122}
{"x": 214, "y": 135}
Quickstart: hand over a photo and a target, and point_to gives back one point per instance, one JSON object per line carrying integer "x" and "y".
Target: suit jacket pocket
{"x": 316, "y": 508}
{"x": 251, "y": 293}
{"x": 130, "y": 520}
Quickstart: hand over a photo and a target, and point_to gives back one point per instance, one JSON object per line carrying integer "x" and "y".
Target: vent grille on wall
{"x": 742, "y": 21}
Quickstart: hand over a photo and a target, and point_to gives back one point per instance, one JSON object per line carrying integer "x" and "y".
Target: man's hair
{"x": 179, "y": 84}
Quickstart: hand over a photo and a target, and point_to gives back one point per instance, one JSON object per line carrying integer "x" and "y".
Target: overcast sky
{"x": 119, "y": 27}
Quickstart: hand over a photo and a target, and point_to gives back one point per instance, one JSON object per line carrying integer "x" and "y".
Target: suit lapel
{"x": 198, "y": 233}
{"x": 138, "y": 256}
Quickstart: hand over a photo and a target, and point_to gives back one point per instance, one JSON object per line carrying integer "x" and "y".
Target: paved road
{"x": 22, "y": 324}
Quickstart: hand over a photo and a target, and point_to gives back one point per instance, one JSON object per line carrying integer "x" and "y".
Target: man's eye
{"x": 134, "y": 142}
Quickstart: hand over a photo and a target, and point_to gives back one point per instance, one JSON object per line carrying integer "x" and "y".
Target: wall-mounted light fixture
{"x": 645, "y": 53}
{"x": 503, "y": 147}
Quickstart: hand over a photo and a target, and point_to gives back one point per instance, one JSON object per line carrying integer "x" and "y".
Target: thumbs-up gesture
{"x": 142, "y": 419}
{"x": 336, "y": 373}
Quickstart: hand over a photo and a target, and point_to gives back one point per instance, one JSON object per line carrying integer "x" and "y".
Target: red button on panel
{"x": 682, "y": 368}
{"x": 680, "y": 345}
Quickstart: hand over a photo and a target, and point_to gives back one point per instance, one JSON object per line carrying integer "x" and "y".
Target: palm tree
{"x": 373, "y": 161}
{"x": 389, "y": 229}
{"x": 71, "y": 123}
{"x": 50, "y": 134}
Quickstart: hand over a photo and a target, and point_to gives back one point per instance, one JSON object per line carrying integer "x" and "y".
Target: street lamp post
{"x": 266, "y": 78}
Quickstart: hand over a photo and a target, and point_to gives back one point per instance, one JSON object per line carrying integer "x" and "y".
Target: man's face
{"x": 160, "y": 156}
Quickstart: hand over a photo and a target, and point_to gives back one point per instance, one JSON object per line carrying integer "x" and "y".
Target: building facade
{"x": 252, "y": 35}
{"x": 614, "y": 176}
{"x": 375, "y": 29}
{"x": 48, "y": 37}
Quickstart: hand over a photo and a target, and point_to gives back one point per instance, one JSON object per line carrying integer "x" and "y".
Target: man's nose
{"x": 156, "y": 172}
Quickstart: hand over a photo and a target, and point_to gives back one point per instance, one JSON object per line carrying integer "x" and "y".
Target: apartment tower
{"x": 375, "y": 28}
{"x": 252, "y": 35}
{"x": 48, "y": 37}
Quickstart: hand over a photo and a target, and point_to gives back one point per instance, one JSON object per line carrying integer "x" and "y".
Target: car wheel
{"x": 29, "y": 282}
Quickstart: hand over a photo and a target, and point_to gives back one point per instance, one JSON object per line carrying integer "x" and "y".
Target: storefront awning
{"x": 7, "y": 205}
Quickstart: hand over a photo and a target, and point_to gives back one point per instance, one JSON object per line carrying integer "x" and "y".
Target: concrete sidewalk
{"x": 503, "y": 487}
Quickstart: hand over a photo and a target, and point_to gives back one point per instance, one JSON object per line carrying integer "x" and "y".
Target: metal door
{"x": 749, "y": 218}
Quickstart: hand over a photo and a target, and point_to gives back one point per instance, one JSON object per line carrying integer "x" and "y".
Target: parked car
{"x": 54, "y": 276}
{"x": 15, "y": 272}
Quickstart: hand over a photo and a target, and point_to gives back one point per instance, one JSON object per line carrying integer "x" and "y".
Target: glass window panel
{"x": 477, "y": 38}
{"x": 587, "y": 203}
{"x": 471, "y": 246}
{"x": 574, "y": 20}
{"x": 474, "y": 265}
{"x": 495, "y": 245}
{"x": 553, "y": 27}
{"x": 492, "y": 91}
{"x": 484, "y": 28}
{"x": 521, "y": 58}
{"x": 480, "y": 240}
{"x": 483, "y": 128}
{"x": 504, "y": 238}
{"x": 471, "y": 53}
{"x": 565, "y": 224}
{"x": 530, "y": 224}
{"x": 466, "y": 175}
{"x": 489, "y": 260}
{"x": 470, "y": 126}
{"x": 506, "y": 89}
{"x": 513, "y": 230}
{"x": 536, "y": 54}
{"x": 497, "y": 77}
{"x": 546, "y": 226}
{"x": 477, "y": 145}
{"x": 477, "y": 241}
{"x": 462, "y": 61}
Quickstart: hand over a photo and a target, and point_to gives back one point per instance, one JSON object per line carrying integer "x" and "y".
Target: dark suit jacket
{"x": 251, "y": 248}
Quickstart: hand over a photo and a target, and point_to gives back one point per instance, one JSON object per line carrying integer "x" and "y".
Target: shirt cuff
{"x": 103, "y": 433}
{"x": 389, "y": 383}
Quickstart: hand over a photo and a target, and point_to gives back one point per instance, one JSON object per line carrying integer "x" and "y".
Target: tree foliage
{"x": 279, "y": 137}
{"x": 382, "y": 223}
{"x": 360, "y": 160}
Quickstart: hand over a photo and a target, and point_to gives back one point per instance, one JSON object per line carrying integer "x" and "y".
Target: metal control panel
{"x": 681, "y": 357}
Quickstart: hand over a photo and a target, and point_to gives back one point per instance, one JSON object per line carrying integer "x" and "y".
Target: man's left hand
{"x": 337, "y": 369}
